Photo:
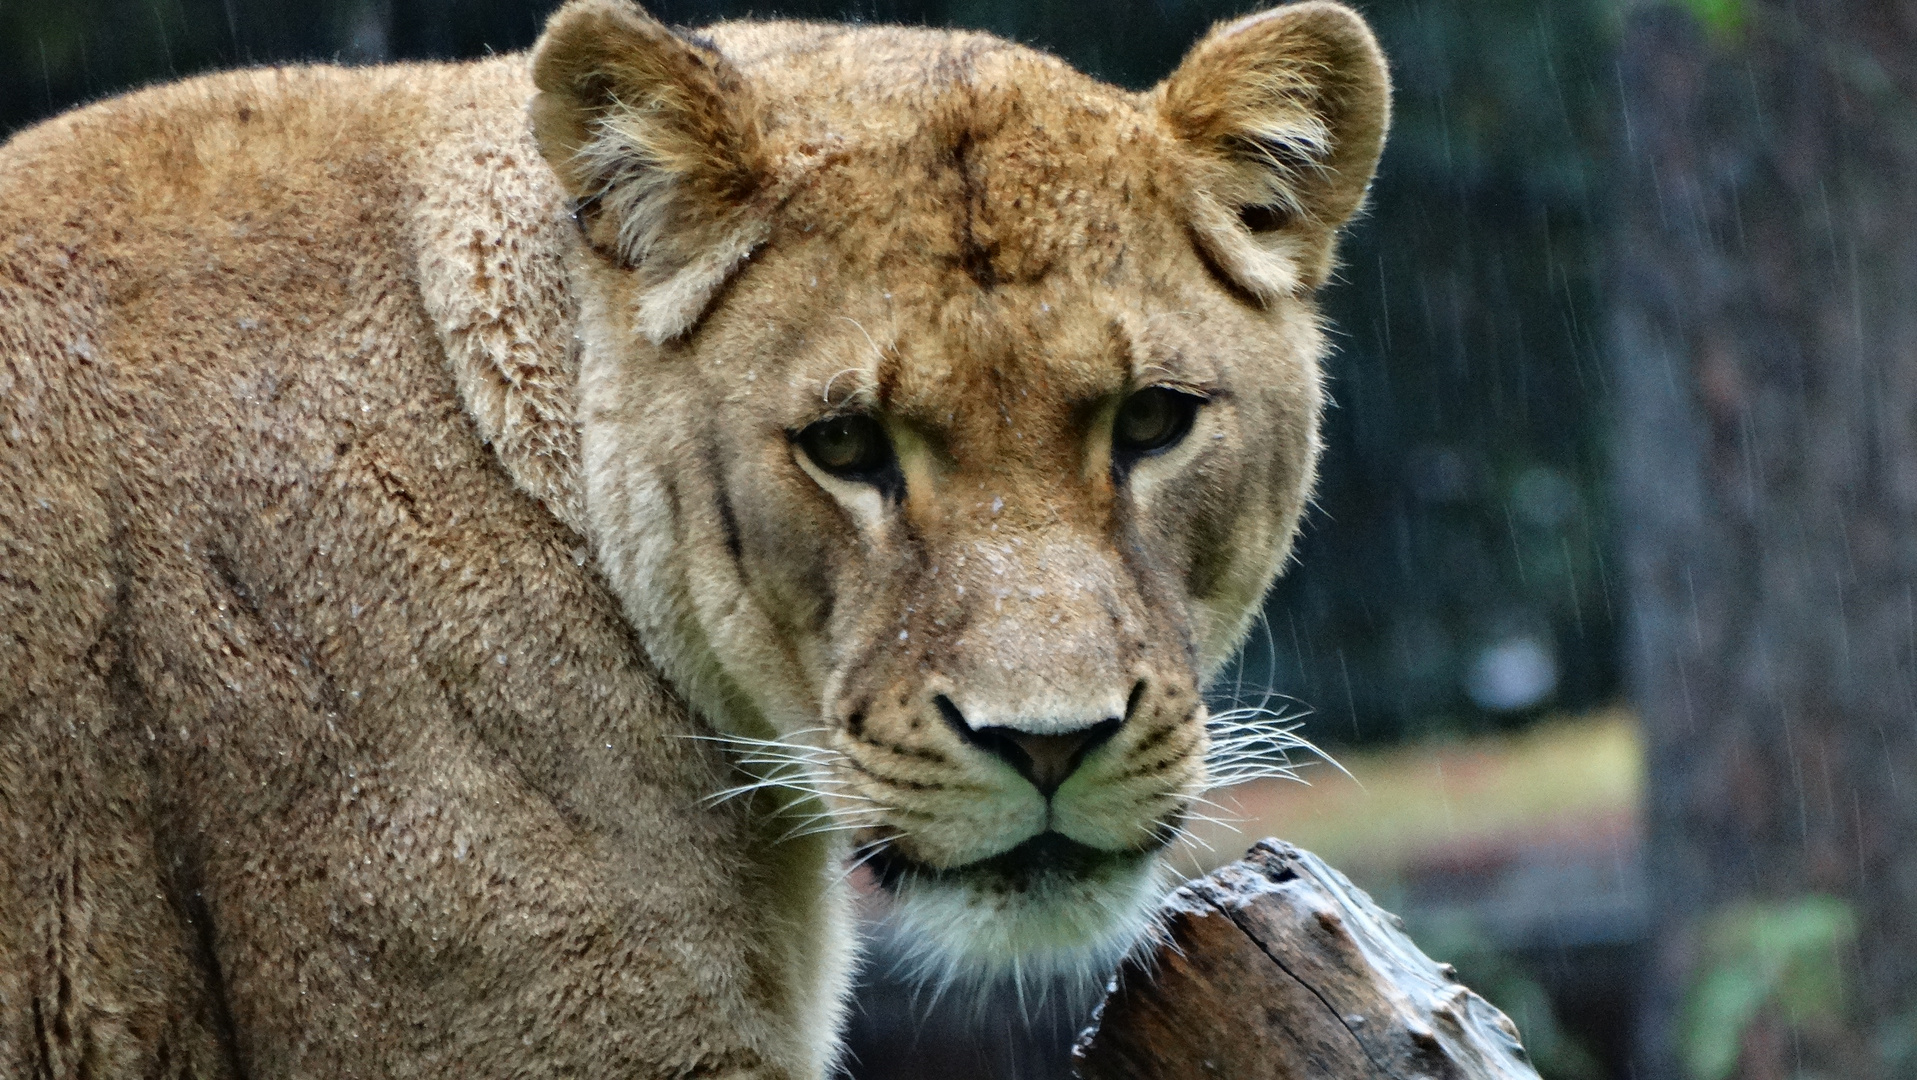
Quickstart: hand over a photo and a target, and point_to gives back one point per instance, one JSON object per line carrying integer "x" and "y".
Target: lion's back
{"x": 133, "y": 234}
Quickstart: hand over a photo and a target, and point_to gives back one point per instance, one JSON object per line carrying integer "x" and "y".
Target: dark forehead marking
{"x": 887, "y": 377}
{"x": 974, "y": 257}
{"x": 1123, "y": 346}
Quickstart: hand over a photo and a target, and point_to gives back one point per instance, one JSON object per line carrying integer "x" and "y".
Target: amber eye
{"x": 853, "y": 447}
{"x": 1153, "y": 419}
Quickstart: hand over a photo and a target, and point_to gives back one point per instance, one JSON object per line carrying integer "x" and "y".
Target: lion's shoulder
{"x": 429, "y": 165}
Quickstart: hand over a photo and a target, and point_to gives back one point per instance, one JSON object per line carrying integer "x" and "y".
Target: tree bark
{"x": 1276, "y": 967}
{"x": 1764, "y": 335}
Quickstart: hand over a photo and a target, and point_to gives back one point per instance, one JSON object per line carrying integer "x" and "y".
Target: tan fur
{"x": 380, "y": 550}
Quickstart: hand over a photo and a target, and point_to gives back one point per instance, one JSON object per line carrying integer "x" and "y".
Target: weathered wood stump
{"x": 1277, "y": 967}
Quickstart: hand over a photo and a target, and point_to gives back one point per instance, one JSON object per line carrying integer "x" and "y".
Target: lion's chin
{"x": 1049, "y": 908}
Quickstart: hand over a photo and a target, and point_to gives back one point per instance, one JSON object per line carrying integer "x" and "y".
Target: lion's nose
{"x": 1046, "y": 760}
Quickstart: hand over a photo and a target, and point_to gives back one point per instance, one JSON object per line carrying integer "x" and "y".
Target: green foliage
{"x": 1723, "y": 18}
{"x": 1785, "y": 958}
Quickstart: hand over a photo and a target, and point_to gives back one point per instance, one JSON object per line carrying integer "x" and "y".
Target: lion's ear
{"x": 657, "y": 138}
{"x": 1289, "y": 109}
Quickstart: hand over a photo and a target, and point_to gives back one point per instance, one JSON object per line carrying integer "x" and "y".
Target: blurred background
{"x": 1608, "y": 602}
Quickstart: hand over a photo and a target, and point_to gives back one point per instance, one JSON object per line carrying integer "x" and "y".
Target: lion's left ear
{"x": 1289, "y": 109}
{"x": 657, "y": 139}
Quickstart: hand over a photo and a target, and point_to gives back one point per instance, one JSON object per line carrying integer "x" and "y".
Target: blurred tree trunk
{"x": 1764, "y": 331}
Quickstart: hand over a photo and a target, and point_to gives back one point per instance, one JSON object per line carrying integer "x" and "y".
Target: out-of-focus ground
{"x": 1568, "y": 785}
{"x": 1515, "y": 857}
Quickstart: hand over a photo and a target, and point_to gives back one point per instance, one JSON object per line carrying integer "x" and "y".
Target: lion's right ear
{"x": 1286, "y": 111}
{"x": 657, "y": 138}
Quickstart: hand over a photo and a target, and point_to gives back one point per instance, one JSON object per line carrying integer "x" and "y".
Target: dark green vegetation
{"x": 1455, "y": 572}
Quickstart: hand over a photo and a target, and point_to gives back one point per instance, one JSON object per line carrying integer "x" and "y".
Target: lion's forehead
{"x": 986, "y": 206}
{"x": 995, "y": 161}
{"x": 983, "y": 235}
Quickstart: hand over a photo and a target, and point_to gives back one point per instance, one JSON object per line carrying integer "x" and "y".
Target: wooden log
{"x": 1277, "y": 967}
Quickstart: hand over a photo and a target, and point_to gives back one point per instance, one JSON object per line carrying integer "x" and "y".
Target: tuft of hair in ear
{"x": 657, "y": 138}
{"x": 1289, "y": 108}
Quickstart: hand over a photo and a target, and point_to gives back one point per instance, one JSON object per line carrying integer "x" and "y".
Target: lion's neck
{"x": 809, "y": 888}
{"x": 492, "y": 239}
{"x": 490, "y": 233}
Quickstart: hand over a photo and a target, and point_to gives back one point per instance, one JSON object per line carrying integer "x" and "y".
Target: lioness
{"x": 484, "y": 545}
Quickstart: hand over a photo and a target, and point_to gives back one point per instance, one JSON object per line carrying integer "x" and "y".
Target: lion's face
{"x": 956, "y": 447}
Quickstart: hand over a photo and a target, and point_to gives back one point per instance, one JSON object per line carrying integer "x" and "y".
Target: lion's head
{"x": 947, "y": 413}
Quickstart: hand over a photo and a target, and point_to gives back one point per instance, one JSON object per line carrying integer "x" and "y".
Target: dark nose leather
{"x": 1049, "y": 760}
{"x": 1045, "y": 760}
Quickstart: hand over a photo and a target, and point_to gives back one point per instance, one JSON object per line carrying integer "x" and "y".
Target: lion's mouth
{"x": 1051, "y": 906}
{"x": 1046, "y": 857}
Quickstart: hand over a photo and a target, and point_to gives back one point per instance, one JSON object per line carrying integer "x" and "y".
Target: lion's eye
{"x": 853, "y": 447}
{"x": 1153, "y": 419}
